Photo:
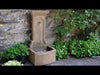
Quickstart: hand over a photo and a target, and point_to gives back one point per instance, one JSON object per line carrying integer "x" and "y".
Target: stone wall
{"x": 15, "y": 27}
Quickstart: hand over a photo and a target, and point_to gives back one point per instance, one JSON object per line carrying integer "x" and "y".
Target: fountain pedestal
{"x": 38, "y": 40}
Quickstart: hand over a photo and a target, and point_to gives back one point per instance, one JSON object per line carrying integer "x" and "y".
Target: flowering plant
{"x": 12, "y": 63}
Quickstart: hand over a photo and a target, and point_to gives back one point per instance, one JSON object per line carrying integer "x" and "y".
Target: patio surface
{"x": 72, "y": 61}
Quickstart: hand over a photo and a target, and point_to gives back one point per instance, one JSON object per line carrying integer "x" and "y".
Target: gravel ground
{"x": 72, "y": 61}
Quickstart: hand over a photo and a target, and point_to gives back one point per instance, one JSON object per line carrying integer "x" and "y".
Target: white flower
{"x": 13, "y": 63}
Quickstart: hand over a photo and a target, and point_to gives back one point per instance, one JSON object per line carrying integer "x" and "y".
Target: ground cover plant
{"x": 16, "y": 50}
{"x": 62, "y": 50}
{"x": 81, "y": 27}
{"x": 90, "y": 47}
{"x": 83, "y": 48}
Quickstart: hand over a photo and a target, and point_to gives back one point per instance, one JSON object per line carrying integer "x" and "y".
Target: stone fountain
{"x": 40, "y": 53}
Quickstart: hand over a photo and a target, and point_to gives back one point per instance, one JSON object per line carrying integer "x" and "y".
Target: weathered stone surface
{"x": 8, "y": 21}
{"x": 2, "y": 38}
{"x": 50, "y": 36}
{"x": 38, "y": 28}
{"x": 42, "y": 58}
{"x": 17, "y": 27}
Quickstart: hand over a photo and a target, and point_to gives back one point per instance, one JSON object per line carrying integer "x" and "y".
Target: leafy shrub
{"x": 12, "y": 63}
{"x": 17, "y": 50}
{"x": 23, "y": 49}
{"x": 83, "y": 21}
{"x": 78, "y": 48}
{"x": 82, "y": 48}
{"x": 61, "y": 50}
{"x": 10, "y": 53}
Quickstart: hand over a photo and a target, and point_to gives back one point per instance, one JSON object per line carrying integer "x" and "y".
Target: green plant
{"x": 12, "y": 63}
{"x": 10, "y": 53}
{"x": 16, "y": 50}
{"x": 26, "y": 42}
{"x": 90, "y": 47}
{"x": 81, "y": 26}
{"x": 94, "y": 36}
{"x": 61, "y": 50}
{"x": 83, "y": 21}
{"x": 23, "y": 49}
{"x": 78, "y": 48}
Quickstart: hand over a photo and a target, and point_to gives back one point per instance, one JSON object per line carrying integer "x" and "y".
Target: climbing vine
{"x": 80, "y": 21}
{"x": 76, "y": 24}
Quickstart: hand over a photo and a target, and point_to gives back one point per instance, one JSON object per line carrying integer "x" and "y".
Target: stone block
{"x": 42, "y": 58}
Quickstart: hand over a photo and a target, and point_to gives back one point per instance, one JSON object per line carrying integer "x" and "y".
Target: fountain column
{"x": 38, "y": 29}
{"x": 38, "y": 42}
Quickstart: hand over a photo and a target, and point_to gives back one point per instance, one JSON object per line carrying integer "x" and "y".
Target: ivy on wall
{"x": 82, "y": 21}
{"x": 76, "y": 24}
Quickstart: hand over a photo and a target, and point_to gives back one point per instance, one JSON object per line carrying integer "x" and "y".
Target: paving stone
{"x": 71, "y": 61}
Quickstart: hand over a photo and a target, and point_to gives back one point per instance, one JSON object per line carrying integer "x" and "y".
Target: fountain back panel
{"x": 40, "y": 53}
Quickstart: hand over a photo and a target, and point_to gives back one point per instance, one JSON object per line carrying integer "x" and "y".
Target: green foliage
{"x": 10, "y": 53}
{"x": 61, "y": 50}
{"x": 94, "y": 37}
{"x": 23, "y": 49}
{"x": 81, "y": 48}
{"x": 16, "y": 50}
{"x": 78, "y": 48}
{"x": 85, "y": 24}
{"x": 85, "y": 20}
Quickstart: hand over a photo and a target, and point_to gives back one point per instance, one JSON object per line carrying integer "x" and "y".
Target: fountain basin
{"x": 42, "y": 58}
